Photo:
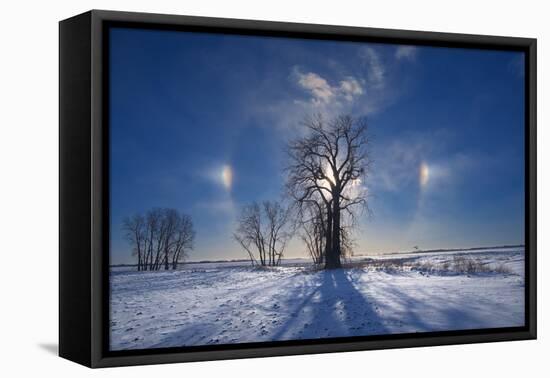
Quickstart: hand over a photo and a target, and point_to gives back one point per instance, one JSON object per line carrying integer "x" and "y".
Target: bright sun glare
{"x": 326, "y": 183}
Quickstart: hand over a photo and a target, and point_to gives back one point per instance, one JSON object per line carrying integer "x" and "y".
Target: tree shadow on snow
{"x": 329, "y": 304}
{"x": 424, "y": 310}
{"x": 330, "y": 307}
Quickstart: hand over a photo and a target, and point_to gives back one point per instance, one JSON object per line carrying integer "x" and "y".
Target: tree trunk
{"x": 336, "y": 238}
{"x": 175, "y": 259}
{"x": 333, "y": 255}
{"x": 330, "y": 260}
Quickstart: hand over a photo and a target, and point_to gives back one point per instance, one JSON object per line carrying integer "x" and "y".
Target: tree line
{"x": 160, "y": 238}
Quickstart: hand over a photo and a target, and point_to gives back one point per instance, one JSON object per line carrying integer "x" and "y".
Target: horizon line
{"x": 354, "y": 255}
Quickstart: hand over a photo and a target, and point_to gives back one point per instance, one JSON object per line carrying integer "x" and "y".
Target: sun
{"x": 329, "y": 181}
{"x": 424, "y": 174}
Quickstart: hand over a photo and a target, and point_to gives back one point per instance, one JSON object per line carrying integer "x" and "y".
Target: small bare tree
{"x": 264, "y": 231}
{"x": 313, "y": 231}
{"x": 249, "y": 233}
{"x": 183, "y": 240}
{"x": 278, "y": 231}
{"x": 160, "y": 238}
{"x": 135, "y": 233}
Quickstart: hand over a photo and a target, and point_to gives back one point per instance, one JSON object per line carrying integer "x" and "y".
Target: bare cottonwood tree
{"x": 264, "y": 231}
{"x": 183, "y": 240}
{"x": 326, "y": 169}
{"x": 160, "y": 238}
{"x": 313, "y": 231}
{"x": 135, "y": 233}
{"x": 249, "y": 233}
{"x": 278, "y": 230}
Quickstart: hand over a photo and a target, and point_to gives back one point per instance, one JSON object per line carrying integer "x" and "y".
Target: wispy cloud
{"x": 406, "y": 52}
{"x": 323, "y": 93}
{"x": 363, "y": 84}
{"x": 416, "y": 160}
{"x": 376, "y": 71}
{"x": 320, "y": 89}
{"x": 350, "y": 88}
{"x": 397, "y": 167}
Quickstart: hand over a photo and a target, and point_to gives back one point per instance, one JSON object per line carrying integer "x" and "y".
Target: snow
{"x": 221, "y": 303}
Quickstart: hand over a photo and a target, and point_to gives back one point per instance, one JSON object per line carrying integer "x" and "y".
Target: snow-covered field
{"x": 220, "y": 303}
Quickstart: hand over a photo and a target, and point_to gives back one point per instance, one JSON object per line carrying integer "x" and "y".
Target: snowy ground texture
{"x": 221, "y": 303}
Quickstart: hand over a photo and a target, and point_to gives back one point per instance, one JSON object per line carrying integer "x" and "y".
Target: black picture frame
{"x": 84, "y": 189}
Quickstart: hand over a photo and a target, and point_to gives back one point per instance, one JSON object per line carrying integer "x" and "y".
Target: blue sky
{"x": 199, "y": 122}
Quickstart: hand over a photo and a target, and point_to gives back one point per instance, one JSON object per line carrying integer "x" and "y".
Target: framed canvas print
{"x": 233, "y": 188}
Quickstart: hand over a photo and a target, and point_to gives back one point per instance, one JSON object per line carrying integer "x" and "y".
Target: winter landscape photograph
{"x": 267, "y": 189}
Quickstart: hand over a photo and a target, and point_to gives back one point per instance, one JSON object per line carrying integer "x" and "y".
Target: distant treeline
{"x": 449, "y": 249}
{"x": 356, "y": 255}
{"x": 160, "y": 238}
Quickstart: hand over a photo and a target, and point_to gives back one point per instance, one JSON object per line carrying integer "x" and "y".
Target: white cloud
{"x": 405, "y": 52}
{"x": 323, "y": 93}
{"x": 361, "y": 85}
{"x": 396, "y": 167}
{"x": 350, "y": 88}
{"x": 415, "y": 161}
{"x": 376, "y": 72}
{"x": 319, "y": 87}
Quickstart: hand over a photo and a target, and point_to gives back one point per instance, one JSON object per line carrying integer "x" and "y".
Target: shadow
{"x": 313, "y": 305}
{"x": 332, "y": 308}
{"x": 319, "y": 304}
{"x": 51, "y": 348}
{"x": 431, "y": 311}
